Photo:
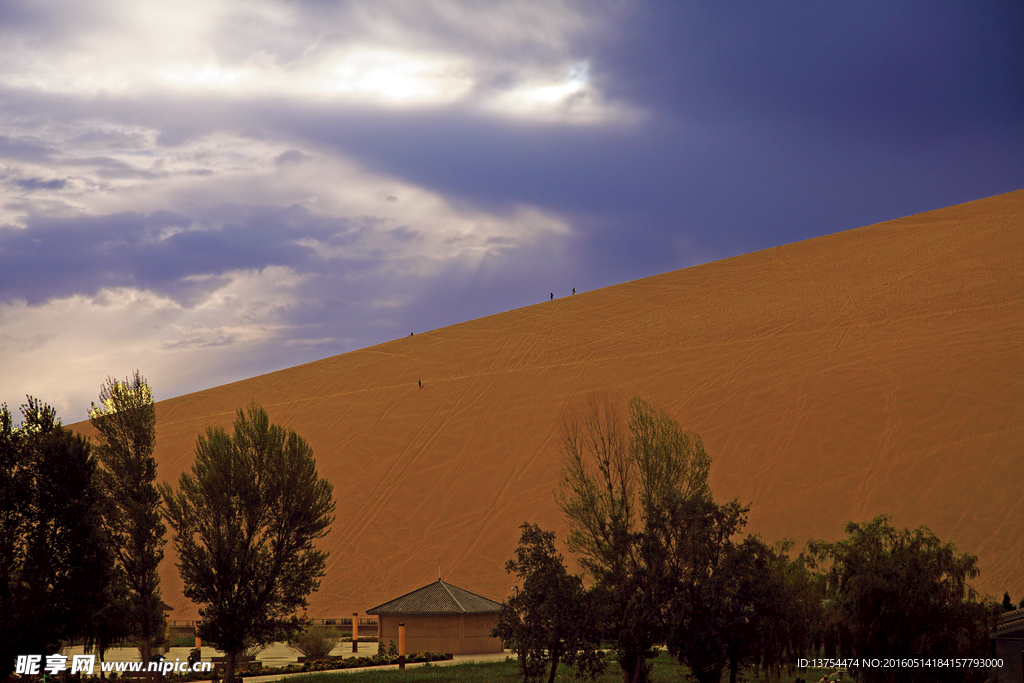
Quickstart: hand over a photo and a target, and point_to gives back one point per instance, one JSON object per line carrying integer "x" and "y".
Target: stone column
{"x": 401, "y": 645}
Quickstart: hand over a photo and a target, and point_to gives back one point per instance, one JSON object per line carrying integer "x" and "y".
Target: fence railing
{"x": 369, "y": 624}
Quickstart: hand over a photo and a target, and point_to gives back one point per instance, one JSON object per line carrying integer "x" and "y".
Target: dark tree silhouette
{"x": 54, "y": 563}
{"x": 903, "y": 594}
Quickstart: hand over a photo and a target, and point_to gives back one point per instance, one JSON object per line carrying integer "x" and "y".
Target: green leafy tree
{"x": 125, "y": 421}
{"x": 744, "y": 568}
{"x": 547, "y": 620}
{"x": 707, "y": 589}
{"x": 54, "y": 564}
{"x": 244, "y": 523}
{"x": 902, "y": 593}
{"x": 788, "y": 614}
{"x": 620, "y": 476}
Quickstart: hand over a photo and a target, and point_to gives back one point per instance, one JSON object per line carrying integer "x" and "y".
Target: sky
{"x": 209, "y": 190}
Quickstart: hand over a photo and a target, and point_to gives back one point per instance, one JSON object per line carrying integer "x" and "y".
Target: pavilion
{"x": 440, "y": 617}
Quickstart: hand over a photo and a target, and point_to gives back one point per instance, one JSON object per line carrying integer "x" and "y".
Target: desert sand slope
{"x": 874, "y": 370}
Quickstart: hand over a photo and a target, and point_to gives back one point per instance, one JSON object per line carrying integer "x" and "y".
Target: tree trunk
{"x": 229, "y": 667}
{"x": 554, "y": 665}
{"x": 146, "y": 651}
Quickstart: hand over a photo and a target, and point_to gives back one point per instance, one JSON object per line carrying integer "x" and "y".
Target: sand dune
{"x": 875, "y": 370}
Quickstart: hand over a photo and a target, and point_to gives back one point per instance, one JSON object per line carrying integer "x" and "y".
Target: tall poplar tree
{"x": 244, "y": 523}
{"x": 621, "y": 476}
{"x": 125, "y": 420}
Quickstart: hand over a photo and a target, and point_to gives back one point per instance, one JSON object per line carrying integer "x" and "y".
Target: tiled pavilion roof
{"x": 438, "y": 598}
{"x": 1010, "y": 624}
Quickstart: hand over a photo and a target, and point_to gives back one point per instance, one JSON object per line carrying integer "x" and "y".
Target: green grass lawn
{"x": 666, "y": 670}
{"x": 182, "y": 640}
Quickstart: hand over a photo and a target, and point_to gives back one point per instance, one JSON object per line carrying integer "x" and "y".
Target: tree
{"x": 902, "y": 593}
{"x": 708, "y": 590}
{"x": 548, "y": 619}
{"x": 619, "y": 478}
{"x": 54, "y": 564}
{"x": 787, "y": 616}
{"x": 125, "y": 421}
{"x": 244, "y": 523}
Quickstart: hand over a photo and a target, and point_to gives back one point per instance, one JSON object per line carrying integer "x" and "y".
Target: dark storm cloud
{"x": 866, "y": 68}
{"x": 58, "y": 257}
{"x": 40, "y": 184}
{"x": 765, "y": 125}
{"x": 403, "y": 233}
{"x": 115, "y": 169}
{"x": 292, "y": 156}
{"x": 673, "y": 193}
{"x": 110, "y": 138}
{"x": 24, "y": 150}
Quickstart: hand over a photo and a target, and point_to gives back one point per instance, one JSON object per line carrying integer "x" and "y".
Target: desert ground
{"x": 877, "y": 370}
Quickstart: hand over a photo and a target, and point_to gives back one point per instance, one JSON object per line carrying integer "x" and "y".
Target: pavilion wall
{"x": 458, "y": 634}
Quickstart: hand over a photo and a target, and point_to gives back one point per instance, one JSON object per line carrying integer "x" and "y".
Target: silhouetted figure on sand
{"x": 420, "y": 382}
{"x": 574, "y": 291}
{"x": 552, "y": 296}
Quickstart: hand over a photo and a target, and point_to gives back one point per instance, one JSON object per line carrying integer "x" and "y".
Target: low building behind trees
{"x": 440, "y": 617}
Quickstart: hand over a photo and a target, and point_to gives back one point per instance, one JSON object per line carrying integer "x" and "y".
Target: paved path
{"x": 279, "y": 654}
{"x": 459, "y": 659}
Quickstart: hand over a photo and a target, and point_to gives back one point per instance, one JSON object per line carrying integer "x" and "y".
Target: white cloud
{"x": 373, "y": 242}
{"x": 391, "y": 54}
{"x": 130, "y": 109}
{"x": 67, "y": 347}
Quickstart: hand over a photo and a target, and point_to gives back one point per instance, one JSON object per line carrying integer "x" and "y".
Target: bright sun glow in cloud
{"x": 359, "y": 74}
{"x": 142, "y": 49}
{"x": 399, "y": 78}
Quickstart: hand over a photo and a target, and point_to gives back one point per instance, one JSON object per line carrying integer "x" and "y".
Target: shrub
{"x": 316, "y": 642}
